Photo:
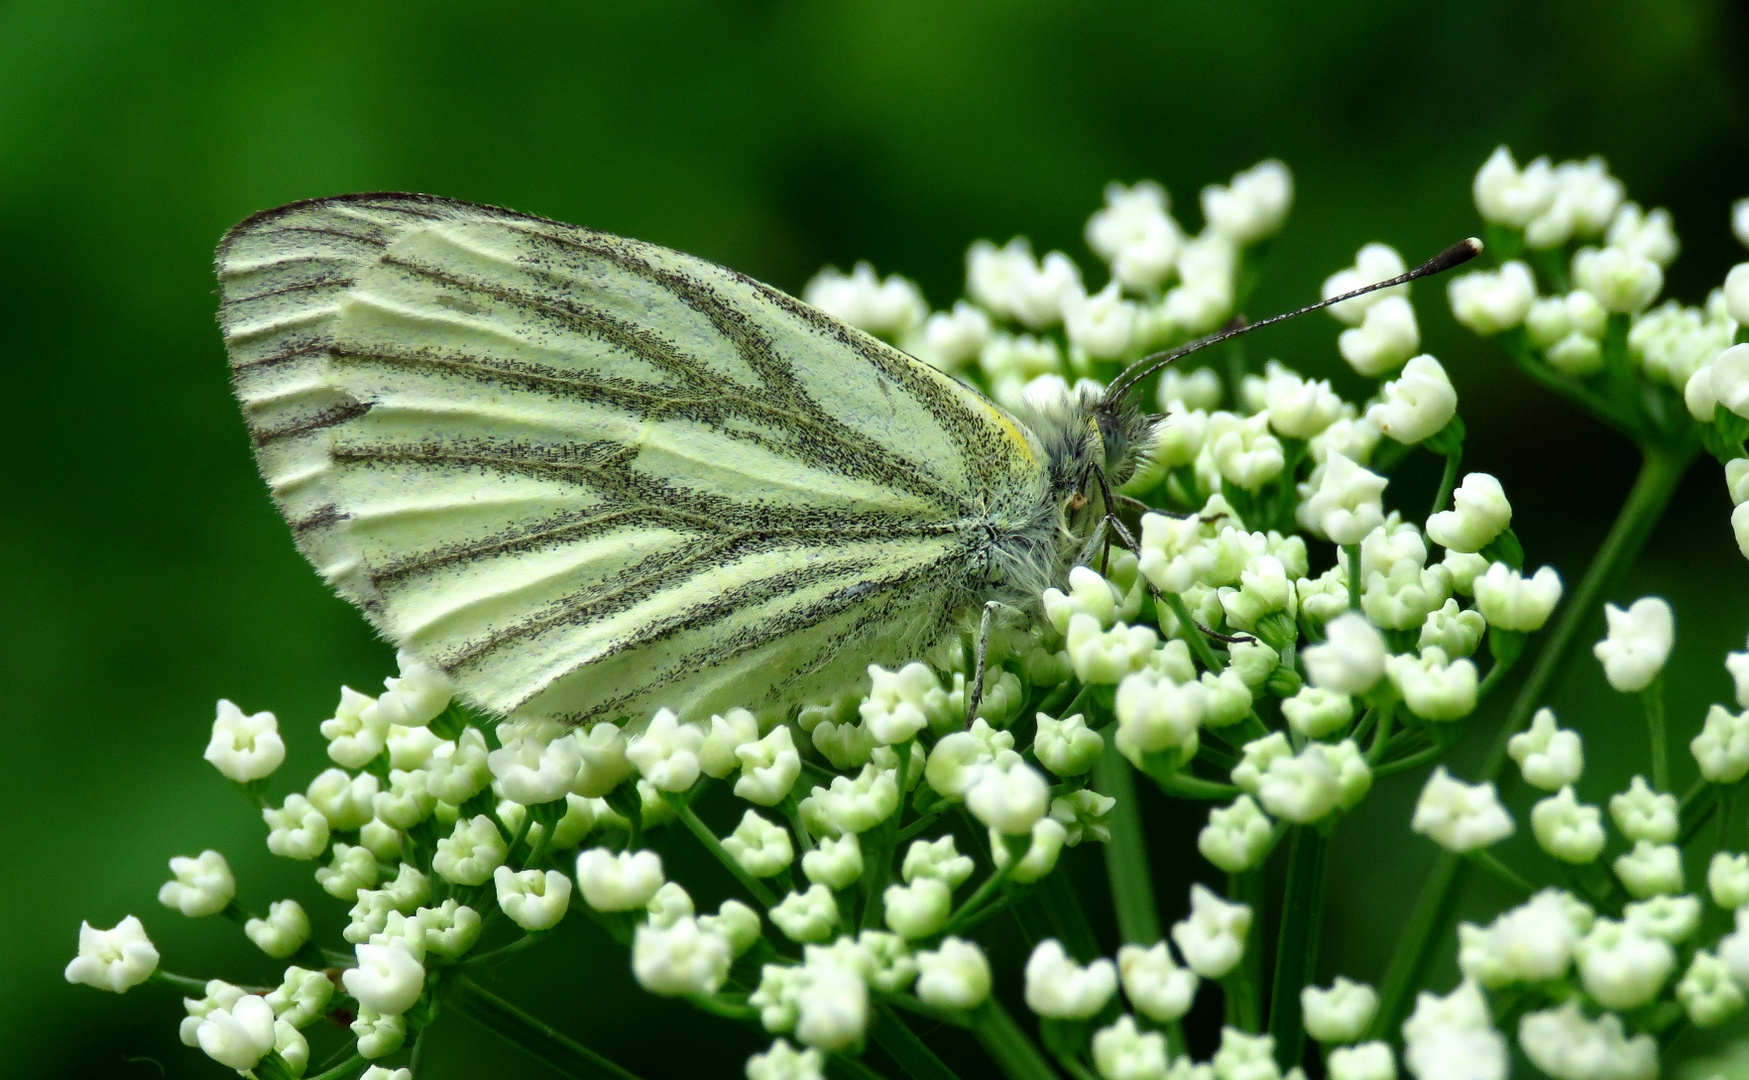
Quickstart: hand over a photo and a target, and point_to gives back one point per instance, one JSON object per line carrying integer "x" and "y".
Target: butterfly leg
{"x": 981, "y": 656}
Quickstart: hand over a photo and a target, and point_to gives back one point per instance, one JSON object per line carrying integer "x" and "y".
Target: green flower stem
{"x": 988, "y": 889}
{"x": 709, "y": 839}
{"x": 503, "y": 952}
{"x": 1354, "y": 582}
{"x": 893, "y": 1035}
{"x": 1697, "y": 808}
{"x": 1653, "y": 698}
{"x": 1413, "y": 761}
{"x": 1447, "y": 479}
{"x": 1068, "y": 920}
{"x": 345, "y": 1068}
{"x": 1007, "y": 1044}
{"x": 1518, "y": 347}
{"x": 1488, "y": 862}
{"x": 1191, "y": 787}
{"x": 1661, "y": 471}
{"x": 180, "y": 982}
{"x": 1075, "y": 1068}
{"x": 1126, "y": 854}
{"x": 1193, "y": 635}
{"x": 927, "y": 819}
{"x": 1242, "y": 987}
{"x": 728, "y": 1010}
{"x": 1296, "y": 951}
{"x": 846, "y": 1067}
{"x": 878, "y": 863}
{"x": 564, "y": 1054}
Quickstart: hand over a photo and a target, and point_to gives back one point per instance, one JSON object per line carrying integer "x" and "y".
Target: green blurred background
{"x": 146, "y": 573}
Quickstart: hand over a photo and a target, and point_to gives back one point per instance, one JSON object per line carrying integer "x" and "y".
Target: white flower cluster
{"x": 1283, "y": 637}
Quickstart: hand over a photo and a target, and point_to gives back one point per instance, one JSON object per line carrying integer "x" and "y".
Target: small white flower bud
{"x": 116, "y": 959}
{"x": 1669, "y": 918}
{"x": 1245, "y": 1057}
{"x": 769, "y": 768}
{"x": 1493, "y": 302}
{"x": 667, "y": 753}
{"x": 1507, "y": 196}
{"x": 1366, "y": 1061}
{"x": 918, "y": 909}
{"x": 1302, "y": 788}
{"x": 1083, "y": 814}
{"x": 1340, "y": 1014}
{"x": 1243, "y": 451}
{"x": 469, "y": 854}
{"x": 1568, "y": 829}
{"x": 283, "y": 932}
{"x": 1314, "y": 712}
{"x": 886, "y": 307}
{"x": 1643, "y": 814}
{"x": 356, "y": 734}
{"x": 345, "y": 800}
{"x": 1341, "y": 500}
{"x": 1253, "y": 206}
{"x": 1451, "y": 1038}
{"x": 407, "y": 801}
{"x": 1009, "y": 796}
{"x": 1622, "y": 967}
{"x": 418, "y": 696}
{"x": 618, "y": 881}
{"x": 1042, "y": 849}
{"x": 902, "y": 703}
{"x": 1067, "y": 747}
{"x": 835, "y": 863}
{"x": 950, "y": 339}
{"x": 353, "y": 868}
{"x": 1106, "y": 656}
{"x": 1650, "y": 234}
{"x": 1722, "y": 747}
{"x": 531, "y": 899}
{"x": 1433, "y": 687}
{"x": 1154, "y": 713}
{"x": 854, "y": 806}
{"x": 1727, "y": 878}
{"x": 1532, "y": 943}
{"x": 602, "y": 750}
{"x": 954, "y": 976}
{"x": 1622, "y": 281}
{"x": 955, "y": 762}
{"x": 680, "y": 958}
{"x": 1453, "y": 630}
{"x": 451, "y": 928}
{"x": 1123, "y": 1052}
{"x": 296, "y": 830}
{"x": 1417, "y": 404}
{"x": 784, "y": 1062}
{"x": 1060, "y": 989}
{"x": 1237, "y": 837}
{"x": 378, "y": 1035}
{"x": 1511, "y": 601}
{"x": 1481, "y": 513}
{"x": 807, "y": 916}
{"x": 1639, "y": 642}
{"x": 1550, "y": 757}
{"x": 1737, "y": 293}
{"x": 1460, "y": 817}
{"x": 1386, "y": 337}
{"x": 1708, "y": 992}
{"x": 1372, "y": 264}
{"x": 203, "y": 885}
{"x": 937, "y": 859}
{"x": 245, "y": 747}
{"x": 389, "y": 978}
{"x": 240, "y": 1036}
{"x": 1212, "y": 939}
{"x": 1651, "y": 869}
{"x": 1567, "y": 1045}
{"x": 1156, "y": 986}
{"x": 1352, "y": 658}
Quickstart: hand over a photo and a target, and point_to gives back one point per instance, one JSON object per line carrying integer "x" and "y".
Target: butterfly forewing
{"x": 590, "y": 476}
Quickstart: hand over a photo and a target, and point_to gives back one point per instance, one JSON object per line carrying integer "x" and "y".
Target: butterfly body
{"x": 590, "y": 477}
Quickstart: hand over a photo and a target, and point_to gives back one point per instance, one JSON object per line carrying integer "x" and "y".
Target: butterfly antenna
{"x": 1456, "y": 255}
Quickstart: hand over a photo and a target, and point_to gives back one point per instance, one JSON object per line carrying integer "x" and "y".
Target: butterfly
{"x": 589, "y": 477}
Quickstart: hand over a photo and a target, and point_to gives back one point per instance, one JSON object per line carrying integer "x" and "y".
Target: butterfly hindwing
{"x": 590, "y": 476}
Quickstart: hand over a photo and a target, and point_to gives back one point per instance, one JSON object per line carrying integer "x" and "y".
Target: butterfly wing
{"x": 589, "y": 476}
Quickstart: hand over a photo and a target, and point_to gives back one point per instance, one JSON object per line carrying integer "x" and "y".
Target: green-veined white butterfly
{"x": 589, "y": 477}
